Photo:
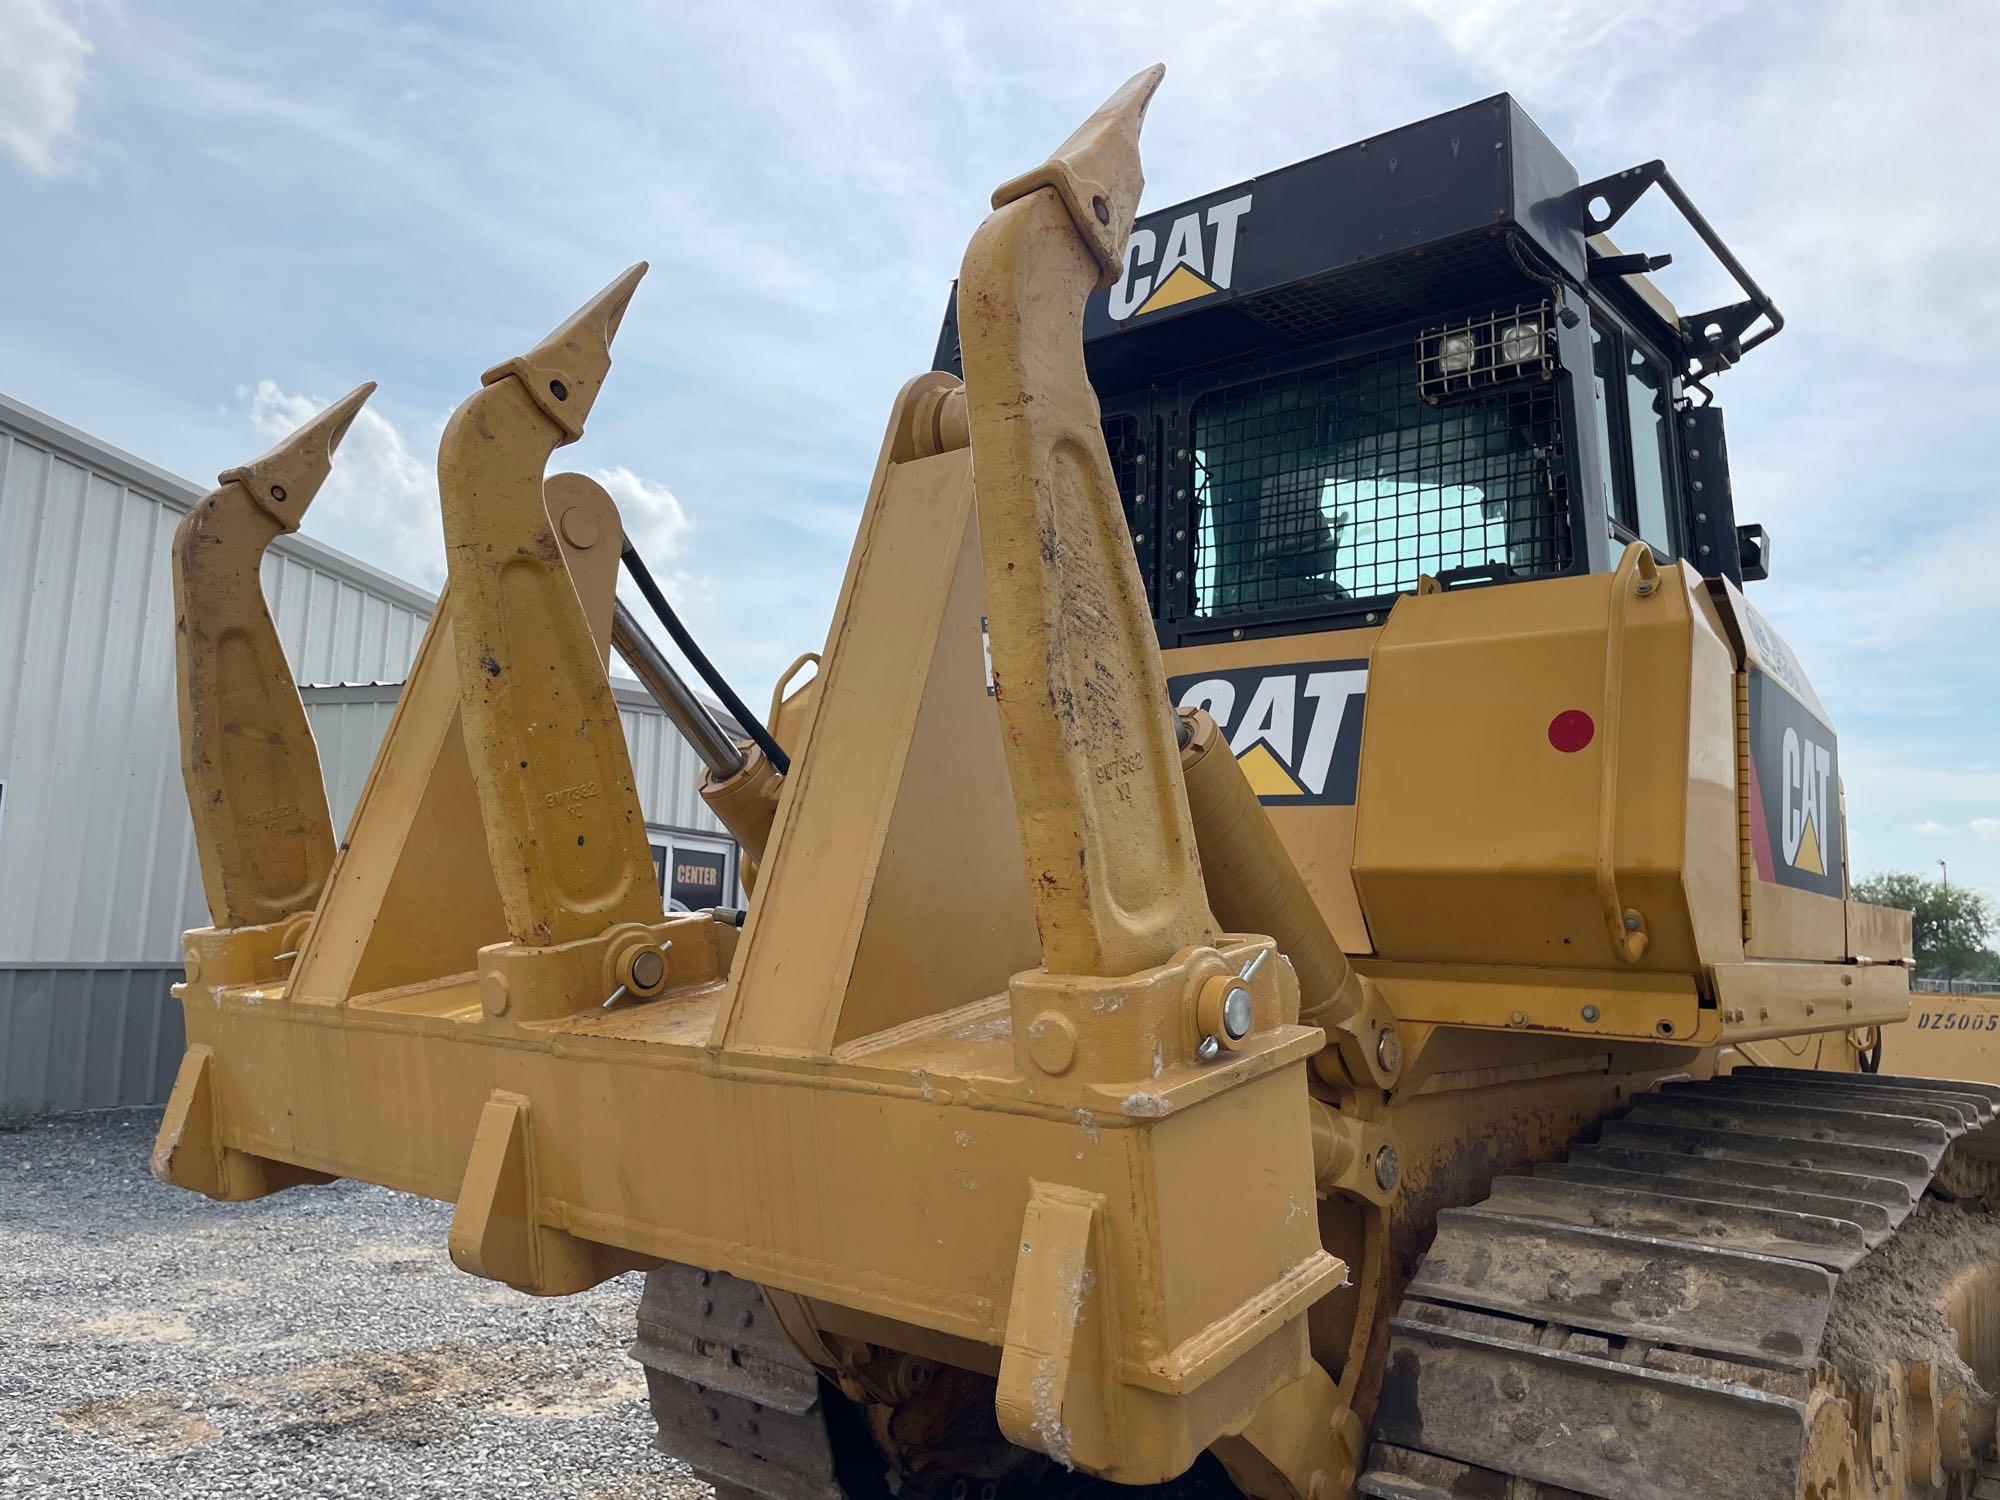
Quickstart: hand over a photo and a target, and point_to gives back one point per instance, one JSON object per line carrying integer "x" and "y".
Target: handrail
{"x": 1619, "y": 192}
{"x": 1637, "y": 577}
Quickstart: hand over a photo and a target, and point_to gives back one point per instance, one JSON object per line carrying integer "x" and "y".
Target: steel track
{"x": 1643, "y": 1319}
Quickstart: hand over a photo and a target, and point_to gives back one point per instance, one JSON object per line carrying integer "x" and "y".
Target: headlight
{"x": 1505, "y": 347}
{"x": 1456, "y": 352}
{"x": 1521, "y": 343}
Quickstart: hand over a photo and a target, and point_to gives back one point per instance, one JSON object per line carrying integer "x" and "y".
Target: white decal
{"x": 1198, "y": 261}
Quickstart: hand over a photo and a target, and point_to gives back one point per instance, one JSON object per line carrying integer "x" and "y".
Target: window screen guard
{"x": 1126, "y": 446}
{"x": 1340, "y": 483}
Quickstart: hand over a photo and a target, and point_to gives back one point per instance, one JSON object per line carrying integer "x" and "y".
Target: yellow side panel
{"x": 1483, "y": 802}
{"x": 1947, "y": 1036}
{"x": 1788, "y": 919}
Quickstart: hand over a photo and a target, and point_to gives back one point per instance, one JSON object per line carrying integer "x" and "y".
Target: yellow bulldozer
{"x": 1299, "y": 941}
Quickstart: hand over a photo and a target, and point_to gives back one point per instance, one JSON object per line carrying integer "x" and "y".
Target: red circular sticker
{"x": 1571, "y": 730}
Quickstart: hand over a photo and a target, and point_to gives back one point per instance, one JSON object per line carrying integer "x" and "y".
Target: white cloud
{"x": 381, "y": 500}
{"x": 346, "y": 190}
{"x": 653, "y": 517}
{"x": 655, "y": 522}
{"x": 43, "y": 50}
{"x": 379, "y": 493}
{"x": 1603, "y": 44}
{"x": 1986, "y": 828}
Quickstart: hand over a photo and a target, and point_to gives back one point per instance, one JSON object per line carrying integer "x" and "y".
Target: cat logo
{"x": 1198, "y": 260}
{"x": 1804, "y": 813}
{"x": 1295, "y": 729}
{"x": 1794, "y": 791}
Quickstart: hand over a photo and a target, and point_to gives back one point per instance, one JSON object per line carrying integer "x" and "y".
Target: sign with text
{"x": 695, "y": 877}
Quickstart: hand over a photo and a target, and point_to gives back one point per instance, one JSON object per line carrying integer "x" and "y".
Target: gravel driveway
{"x": 317, "y": 1342}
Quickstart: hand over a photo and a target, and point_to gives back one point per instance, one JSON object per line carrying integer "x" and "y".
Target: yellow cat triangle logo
{"x": 1809, "y": 858}
{"x": 1267, "y": 774}
{"x": 1182, "y": 286}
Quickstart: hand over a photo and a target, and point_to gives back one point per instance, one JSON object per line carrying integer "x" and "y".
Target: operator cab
{"x": 1419, "y": 354}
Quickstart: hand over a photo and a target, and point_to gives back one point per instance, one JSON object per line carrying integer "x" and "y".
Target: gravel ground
{"x": 317, "y": 1342}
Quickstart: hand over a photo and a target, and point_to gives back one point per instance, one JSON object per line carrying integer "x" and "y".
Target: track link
{"x": 729, "y": 1392}
{"x": 740, "y": 1405}
{"x": 1643, "y": 1320}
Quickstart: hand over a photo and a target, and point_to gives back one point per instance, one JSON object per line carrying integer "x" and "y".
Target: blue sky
{"x": 219, "y": 215}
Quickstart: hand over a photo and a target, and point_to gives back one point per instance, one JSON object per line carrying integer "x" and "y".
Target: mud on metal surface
{"x": 1661, "y": 1315}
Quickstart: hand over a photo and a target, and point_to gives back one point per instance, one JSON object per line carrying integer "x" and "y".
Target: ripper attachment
{"x": 262, "y": 829}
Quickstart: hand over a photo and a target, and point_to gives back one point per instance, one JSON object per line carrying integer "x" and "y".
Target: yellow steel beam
{"x": 262, "y": 830}
{"x": 1090, "y": 742}
{"x": 563, "y": 824}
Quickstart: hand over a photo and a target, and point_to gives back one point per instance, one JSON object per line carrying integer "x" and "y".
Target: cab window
{"x": 1604, "y": 380}
{"x": 1340, "y": 483}
{"x": 1648, "y": 407}
{"x": 1632, "y": 404}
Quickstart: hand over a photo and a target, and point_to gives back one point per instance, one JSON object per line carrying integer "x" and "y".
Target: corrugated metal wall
{"x": 88, "y": 1038}
{"x": 97, "y": 859}
{"x": 98, "y": 874}
{"x": 348, "y": 723}
{"x": 97, "y": 864}
{"x": 664, "y": 766}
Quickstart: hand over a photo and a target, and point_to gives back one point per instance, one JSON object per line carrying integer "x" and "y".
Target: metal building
{"x": 696, "y": 859}
{"x": 98, "y": 873}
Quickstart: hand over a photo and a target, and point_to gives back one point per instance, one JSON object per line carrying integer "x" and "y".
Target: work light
{"x": 1520, "y": 343}
{"x": 1456, "y": 352}
{"x": 1505, "y": 347}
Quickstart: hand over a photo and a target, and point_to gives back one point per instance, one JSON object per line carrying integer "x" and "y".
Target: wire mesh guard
{"x": 1123, "y": 442}
{"x": 1342, "y": 483}
{"x": 1502, "y": 346}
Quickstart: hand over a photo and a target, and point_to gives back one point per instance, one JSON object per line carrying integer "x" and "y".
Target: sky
{"x": 215, "y": 217}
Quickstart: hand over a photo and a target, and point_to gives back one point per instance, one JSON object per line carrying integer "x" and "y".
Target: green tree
{"x": 1952, "y": 923}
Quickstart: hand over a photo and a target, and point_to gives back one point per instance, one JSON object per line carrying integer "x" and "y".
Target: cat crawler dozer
{"x": 1299, "y": 942}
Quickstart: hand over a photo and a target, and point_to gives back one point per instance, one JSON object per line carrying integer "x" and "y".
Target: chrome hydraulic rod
{"x": 691, "y": 717}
